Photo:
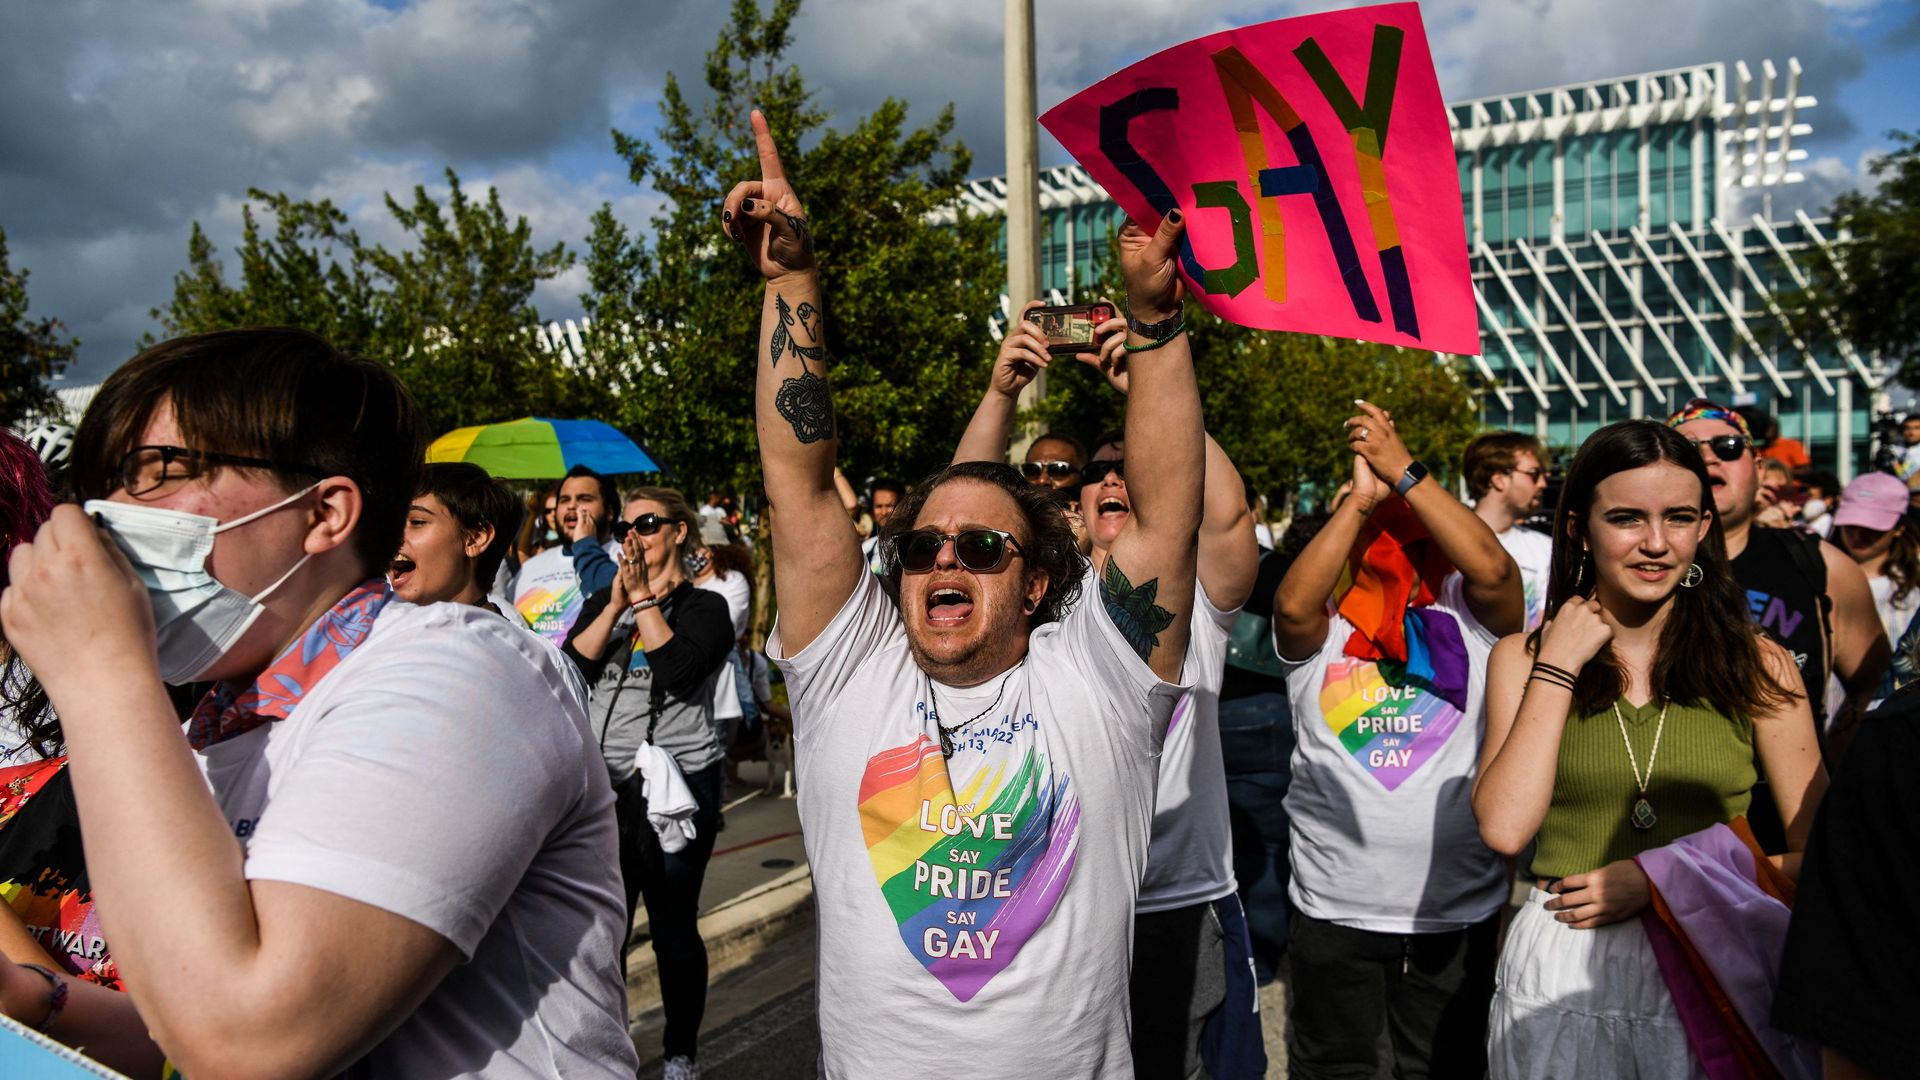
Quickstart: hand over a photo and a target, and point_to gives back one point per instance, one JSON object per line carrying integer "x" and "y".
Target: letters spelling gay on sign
{"x": 1313, "y": 162}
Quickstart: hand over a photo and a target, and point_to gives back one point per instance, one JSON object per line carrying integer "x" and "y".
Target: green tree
{"x": 907, "y": 299}
{"x": 31, "y": 351}
{"x": 1275, "y": 401}
{"x": 1872, "y": 291}
{"x": 452, "y": 312}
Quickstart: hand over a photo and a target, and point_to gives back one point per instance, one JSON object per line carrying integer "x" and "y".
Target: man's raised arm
{"x": 1147, "y": 585}
{"x": 814, "y": 544}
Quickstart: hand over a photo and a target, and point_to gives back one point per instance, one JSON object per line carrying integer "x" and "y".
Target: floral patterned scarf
{"x": 222, "y": 714}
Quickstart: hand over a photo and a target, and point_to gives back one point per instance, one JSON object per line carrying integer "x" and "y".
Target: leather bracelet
{"x": 1557, "y": 678}
{"x": 1543, "y": 666}
{"x": 1550, "y": 681}
{"x": 56, "y": 997}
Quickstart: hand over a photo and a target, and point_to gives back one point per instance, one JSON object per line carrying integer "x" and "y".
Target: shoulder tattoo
{"x": 1132, "y": 608}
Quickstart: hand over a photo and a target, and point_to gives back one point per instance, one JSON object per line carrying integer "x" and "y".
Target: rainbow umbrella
{"x": 536, "y": 448}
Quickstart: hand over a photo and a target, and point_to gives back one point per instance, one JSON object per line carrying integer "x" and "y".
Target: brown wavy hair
{"x": 1709, "y": 651}
{"x": 1048, "y": 542}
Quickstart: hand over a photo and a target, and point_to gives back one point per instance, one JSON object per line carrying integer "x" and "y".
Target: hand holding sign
{"x": 1154, "y": 289}
{"x": 1301, "y": 212}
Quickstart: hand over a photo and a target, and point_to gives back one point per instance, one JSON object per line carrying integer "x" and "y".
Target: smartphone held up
{"x": 1069, "y": 328}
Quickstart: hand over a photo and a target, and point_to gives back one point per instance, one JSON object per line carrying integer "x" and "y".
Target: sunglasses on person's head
{"x": 1052, "y": 470}
{"x": 1096, "y": 471}
{"x": 645, "y": 525}
{"x": 979, "y": 550}
{"x": 1724, "y": 447}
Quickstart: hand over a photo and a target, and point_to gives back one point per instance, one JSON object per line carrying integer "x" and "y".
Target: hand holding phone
{"x": 1069, "y": 328}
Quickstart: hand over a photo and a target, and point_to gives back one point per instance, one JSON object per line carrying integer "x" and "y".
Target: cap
{"x": 1874, "y": 500}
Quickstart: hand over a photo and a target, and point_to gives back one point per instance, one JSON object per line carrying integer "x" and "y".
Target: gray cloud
{"x": 126, "y": 120}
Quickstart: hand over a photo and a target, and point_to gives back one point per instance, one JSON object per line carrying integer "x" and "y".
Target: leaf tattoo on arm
{"x": 783, "y": 338}
{"x": 799, "y": 226}
{"x": 781, "y": 335}
{"x": 1132, "y": 609}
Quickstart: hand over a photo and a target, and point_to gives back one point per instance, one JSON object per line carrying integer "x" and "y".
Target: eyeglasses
{"x": 1096, "y": 471}
{"x": 979, "y": 550}
{"x": 645, "y": 525}
{"x": 1533, "y": 474}
{"x": 145, "y": 468}
{"x": 1724, "y": 447}
{"x": 1052, "y": 470}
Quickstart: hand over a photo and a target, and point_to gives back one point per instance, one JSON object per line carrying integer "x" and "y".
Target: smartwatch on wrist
{"x": 1415, "y": 473}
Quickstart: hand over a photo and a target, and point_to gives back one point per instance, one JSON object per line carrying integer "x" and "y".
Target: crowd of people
{"x": 322, "y": 761}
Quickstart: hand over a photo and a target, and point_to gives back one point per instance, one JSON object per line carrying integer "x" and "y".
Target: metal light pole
{"x": 1023, "y": 178}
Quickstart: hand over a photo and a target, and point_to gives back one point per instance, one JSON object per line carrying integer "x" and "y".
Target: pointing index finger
{"x": 770, "y": 168}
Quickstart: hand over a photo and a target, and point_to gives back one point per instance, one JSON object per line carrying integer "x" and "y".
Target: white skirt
{"x": 1572, "y": 1004}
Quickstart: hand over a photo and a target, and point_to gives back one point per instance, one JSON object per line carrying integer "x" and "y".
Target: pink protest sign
{"x": 1312, "y": 161}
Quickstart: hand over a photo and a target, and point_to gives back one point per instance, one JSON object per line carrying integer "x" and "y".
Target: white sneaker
{"x": 680, "y": 1068}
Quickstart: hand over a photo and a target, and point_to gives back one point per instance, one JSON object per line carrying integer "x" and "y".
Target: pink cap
{"x": 1874, "y": 500}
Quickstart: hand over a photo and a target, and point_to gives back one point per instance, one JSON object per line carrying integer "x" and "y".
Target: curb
{"x": 733, "y": 931}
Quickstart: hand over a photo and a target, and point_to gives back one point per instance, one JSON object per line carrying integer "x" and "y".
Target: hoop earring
{"x": 1695, "y": 576}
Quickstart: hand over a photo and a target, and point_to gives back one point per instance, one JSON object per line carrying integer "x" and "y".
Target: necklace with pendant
{"x": 1642, "y": 817}
{"x": 946, "y": 733}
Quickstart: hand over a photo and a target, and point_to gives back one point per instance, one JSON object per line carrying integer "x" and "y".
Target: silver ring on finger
{"x": 1363, "y": 434}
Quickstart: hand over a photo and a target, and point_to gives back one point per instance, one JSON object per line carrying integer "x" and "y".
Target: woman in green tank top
{"x": 1636, "y": 715}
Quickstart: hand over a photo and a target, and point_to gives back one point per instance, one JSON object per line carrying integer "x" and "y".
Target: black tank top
{"x": 1785, "y": 580}
{"x": 1785, "y": 591}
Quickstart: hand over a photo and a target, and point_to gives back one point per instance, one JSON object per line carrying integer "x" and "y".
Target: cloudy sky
{"x": 124, "y": 121}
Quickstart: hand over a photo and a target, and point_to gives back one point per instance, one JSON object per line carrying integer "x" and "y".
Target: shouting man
{"x": 979, "y": 748}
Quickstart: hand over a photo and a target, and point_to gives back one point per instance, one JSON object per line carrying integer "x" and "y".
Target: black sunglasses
{"x": 1052, "y": 470}
{"x": 1096, "y": 471}
{"x": 979, "y": 550}
{"x": 1724, "y": 447}
{"x": 145, "y": 468}
{"x": 645, "y": 525}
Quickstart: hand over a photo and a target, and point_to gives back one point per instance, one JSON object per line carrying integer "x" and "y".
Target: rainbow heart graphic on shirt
{"x": 1391, "y": 726}
{"x": 970, "y": 877}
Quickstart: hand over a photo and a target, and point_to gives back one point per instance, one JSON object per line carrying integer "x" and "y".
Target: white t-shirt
{"x": 1384, "y": 836}
{"x": 443, "y": 772}
{"x": 546, "y": 592}
{"x": 975, "y": 914}
{"x": 1533, "y": 552}
{"x": 1191, "y": 857}
{"x": 738, "y": 593}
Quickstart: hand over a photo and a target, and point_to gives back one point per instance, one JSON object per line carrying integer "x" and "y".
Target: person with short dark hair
{"x": 550, "y": 587}
{"x": 977, "y": 749}
{"x": 459, "y": 528}
{"x": 886, "y": 498}
{"x": 1506, "y": 474}
{"x": 317, "y": 872}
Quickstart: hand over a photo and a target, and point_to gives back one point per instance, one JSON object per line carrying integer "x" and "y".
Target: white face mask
{"x": 195, "y": 617}
{"x": 1813, "y": 509}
